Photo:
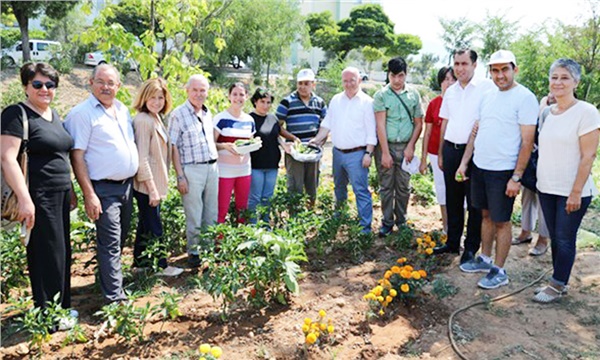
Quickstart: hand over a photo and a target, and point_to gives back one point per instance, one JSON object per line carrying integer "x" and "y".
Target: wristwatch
{"x": 516, "y": 178}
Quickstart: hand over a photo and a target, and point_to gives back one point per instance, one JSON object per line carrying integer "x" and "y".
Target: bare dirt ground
{"x": 515, "y": 327}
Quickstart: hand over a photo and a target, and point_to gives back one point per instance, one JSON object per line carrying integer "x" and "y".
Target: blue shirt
{"x": 108, "y": 143}
{"x": 302, "y": 120}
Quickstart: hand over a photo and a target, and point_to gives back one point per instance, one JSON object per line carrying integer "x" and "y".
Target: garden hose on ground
{"x": 497, "y": 298}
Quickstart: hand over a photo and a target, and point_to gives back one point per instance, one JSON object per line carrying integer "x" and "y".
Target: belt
{"x": 114, "y": 182}
{"x": 347, "y": 151}
{"x": 455, "y": 146}
{"x": 207, "y": 162}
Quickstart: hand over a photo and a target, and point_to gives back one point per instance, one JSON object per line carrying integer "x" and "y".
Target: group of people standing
{"x": 479, "y": 135}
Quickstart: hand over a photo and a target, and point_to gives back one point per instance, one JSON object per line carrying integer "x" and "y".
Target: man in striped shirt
{"x": 301, "y": 114}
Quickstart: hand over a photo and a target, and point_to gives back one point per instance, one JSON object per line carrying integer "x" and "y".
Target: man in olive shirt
{"x": 399, "y": 118}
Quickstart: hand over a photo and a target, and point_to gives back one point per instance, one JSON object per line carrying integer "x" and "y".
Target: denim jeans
{"x": 348, "y": 167}
{"x": 261, "y": 191}
{"x": 563, "y": 233}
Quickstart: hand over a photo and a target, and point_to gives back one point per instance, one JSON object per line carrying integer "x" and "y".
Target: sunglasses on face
{"x": 36, "y": 84}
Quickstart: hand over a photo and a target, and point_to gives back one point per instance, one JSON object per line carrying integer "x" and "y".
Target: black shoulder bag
{"x": 529, "y": 178}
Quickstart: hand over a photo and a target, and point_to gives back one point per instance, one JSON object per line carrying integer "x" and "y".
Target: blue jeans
{"x": 563, "y": 233}
{"x": 347, "y": 167}
{"x": 261, "y": 191}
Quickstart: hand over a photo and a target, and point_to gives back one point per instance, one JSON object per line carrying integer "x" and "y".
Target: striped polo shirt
{"x": 230, "y": 129}
{"x": 300, "y": 119}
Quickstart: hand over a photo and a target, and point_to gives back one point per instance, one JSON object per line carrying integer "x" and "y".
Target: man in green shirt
{"x": 399, "y": 118}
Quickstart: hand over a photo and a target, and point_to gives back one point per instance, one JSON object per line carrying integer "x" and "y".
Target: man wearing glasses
{"x": 104, "y": 160}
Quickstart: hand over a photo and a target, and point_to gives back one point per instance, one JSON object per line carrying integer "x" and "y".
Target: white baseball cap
{"x": 305, "y": 75}
{"x": 503, "y": 57}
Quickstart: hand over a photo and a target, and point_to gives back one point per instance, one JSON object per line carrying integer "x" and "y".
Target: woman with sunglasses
{"x": 44, "y": 204}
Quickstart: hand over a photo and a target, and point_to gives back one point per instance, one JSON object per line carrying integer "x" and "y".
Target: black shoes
{"x": 385, "y": 231}
{"x": 445, "y": 249}
{"x": 193, "y": 261}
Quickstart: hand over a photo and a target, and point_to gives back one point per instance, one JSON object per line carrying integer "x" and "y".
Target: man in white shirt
{"x": 105, "y": 159}
{"x": 501, "y": 146}
{"x": 459, "y": 111}
{"x": 351, "y": 121}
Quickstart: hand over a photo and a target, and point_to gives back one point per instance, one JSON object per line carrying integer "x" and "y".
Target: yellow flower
{"x": 323, "y": 326}
{"x": 377, "y": 290}
{"x": 380, "y": 298}
{"x": 330, "y": 329}
{"x": 393, "y": 292}
{"x": 387, "y": 275}
{"x": 405, "y": 274}
{"x": 404, "y": 288}
{"x": 216, "y": 352}
{"x": 419, "y": 241}
{"x": 307, "y": 321}
{"x": 402, "y": 260}
{"x": 396, "y": 269}
{"x": 387, "y": 283}
{"x": 416, "y": 275}
{"x": 423, "y": 273}
{"x": 305, "y": 328}
{"x": 408, "y": 268}
{"x": 429, "y": 251}
{"x": 203, "y": 358}
{"x": 381, "y": 312}
{"x": 204, "y": 349}
{"x": 322, "y": 313}
{"x": 389, "y": 299}
{"x": 311, "y": 338}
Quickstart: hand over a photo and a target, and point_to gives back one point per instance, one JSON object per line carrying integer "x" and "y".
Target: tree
{"x": 496, "y": 33}
{"x": 421, "y": 69}
{"x": 371, "y": 55}
{"x": 458, "y": 34}
{"x": 25, "y": 10}
{"x": 405, "y": 45}
{"x": 323, "y": 31}
{"x": 367, "y": 25}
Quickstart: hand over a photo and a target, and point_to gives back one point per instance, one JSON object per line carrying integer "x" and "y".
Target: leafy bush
{"x": 12, "y": 94}
{"x": 13, "y": 258}
{"x": 422, "y": 188}
{"x": 10, "y": 36}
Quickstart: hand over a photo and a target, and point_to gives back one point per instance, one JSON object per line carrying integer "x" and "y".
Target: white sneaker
{"x": 170, "y": 271}
{"x": 68, "y": 322}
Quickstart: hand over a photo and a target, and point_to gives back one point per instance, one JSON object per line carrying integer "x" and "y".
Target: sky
{"x": 421, "y": 17}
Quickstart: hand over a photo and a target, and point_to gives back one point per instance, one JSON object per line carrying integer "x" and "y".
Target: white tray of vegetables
{"x": 245, "y": 146}
{"x": 306, "y": 152}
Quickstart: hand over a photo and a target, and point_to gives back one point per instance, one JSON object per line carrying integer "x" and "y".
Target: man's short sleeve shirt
{"x": 302, "y": 120}
{"x": 399, "y": 125}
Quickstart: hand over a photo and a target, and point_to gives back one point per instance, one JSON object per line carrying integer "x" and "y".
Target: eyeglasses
{"x": 101, "y": 83}
{"x": 36, "y": 84}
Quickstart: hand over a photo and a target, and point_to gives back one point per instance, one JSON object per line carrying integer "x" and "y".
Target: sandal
{"x": 538, "y": 251}
{"x": 546, "y": 298}
{"x": 517, "y": 241}
{"x": 538, "y": 290}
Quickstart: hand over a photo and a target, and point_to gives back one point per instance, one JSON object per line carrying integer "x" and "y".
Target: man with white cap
{"x": 501, "y": 145}
{"x": 301, "y": 114}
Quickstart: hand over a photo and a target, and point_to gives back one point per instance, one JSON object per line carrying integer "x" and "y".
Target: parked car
{"x": 39, "y": 50}
{"x": 97, "y": 58}
{"x": 237, "y": 63}
{"x": 363, "y": 75}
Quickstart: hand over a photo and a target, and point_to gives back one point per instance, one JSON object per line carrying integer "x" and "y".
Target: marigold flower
{"x": 323, "y": 326}
{"x": 408, "y": 268}
{"x": 389, "y": 299}
{"x": 419, "y": 241}
{"x": 305, "y": 328}
{"x": 416, "y": 275}
{"x": 429, "y": 251}
{"x": 387, "y": 283}
{"x": 203, "y": 358}
{"x": 423, "y": 273}
{"x": 381, "y": 312}
{"x": 330, "y": 329}
{"x": 322, "y": 313}
{"x": 311, "y": 338}
{"x": 402, "y": 260}
{"x": 204, "y": 349}
{"x": 396, "y": 269}
{"x": 404, "y": 288}
{"x": 405, "y": 274}
{"x": 307, "y": 321}
{"x": 393, "y": 293}
{"x": 216, "y": 352}
{"x": 387, "y": 275}
{"x": 377, "y": 290}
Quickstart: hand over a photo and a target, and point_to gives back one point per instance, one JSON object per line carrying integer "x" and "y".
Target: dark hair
{"x": 441, "y": 76}
{"x": 237, "y": 84}
{"x": 261, "y": 93}
{"x": 397, "y": 65}
{"x": 29, "y": 70}
{"x": 472, "y": 54}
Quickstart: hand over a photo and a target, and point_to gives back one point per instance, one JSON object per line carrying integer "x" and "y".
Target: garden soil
{"x": 515, "y": 327}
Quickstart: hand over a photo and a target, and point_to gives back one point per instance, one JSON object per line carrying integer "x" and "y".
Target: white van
{"x": 40, "y": 50}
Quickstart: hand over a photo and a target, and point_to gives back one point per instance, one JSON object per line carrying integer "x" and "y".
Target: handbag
{"x": 10, "y": 203}
{"x": 529, "y": 178}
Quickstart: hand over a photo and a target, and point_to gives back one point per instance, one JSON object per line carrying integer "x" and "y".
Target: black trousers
{"x": 456, "y": 192}
{"x": 49, "y": 248}
{"x": 149, "y": 227}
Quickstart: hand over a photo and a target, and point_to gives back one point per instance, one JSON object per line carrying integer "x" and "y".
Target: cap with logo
{"x": 502, "y": 57}
{"x": 305, "y": 75}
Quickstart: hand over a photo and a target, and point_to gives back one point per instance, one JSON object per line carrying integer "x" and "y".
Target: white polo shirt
{"x": 460, "y": 107}
{"x": 351, "y": 121}
{"x": 109, "y": 144}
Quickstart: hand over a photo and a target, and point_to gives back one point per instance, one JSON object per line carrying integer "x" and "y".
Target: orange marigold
{"x": 404, "y": 288}
{"x": 423, "y": 273}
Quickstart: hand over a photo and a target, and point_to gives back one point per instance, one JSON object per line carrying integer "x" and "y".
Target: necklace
{"x": 558, "y": 111}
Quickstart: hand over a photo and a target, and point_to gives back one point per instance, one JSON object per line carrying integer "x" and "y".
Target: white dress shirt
{"x": 460, "y": 107}
{"x": 108, "y": 143}
{"x": 351, "y": 121}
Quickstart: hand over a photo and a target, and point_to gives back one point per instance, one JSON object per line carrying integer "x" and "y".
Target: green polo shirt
{"x": 398, "y": 125}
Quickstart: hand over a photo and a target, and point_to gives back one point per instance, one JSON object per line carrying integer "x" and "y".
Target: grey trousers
{"x": 394, "y": 189}
{"x": 531, "y": 210}
{"x": 112, "y": 229}
{"x": 302, "y": 176}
